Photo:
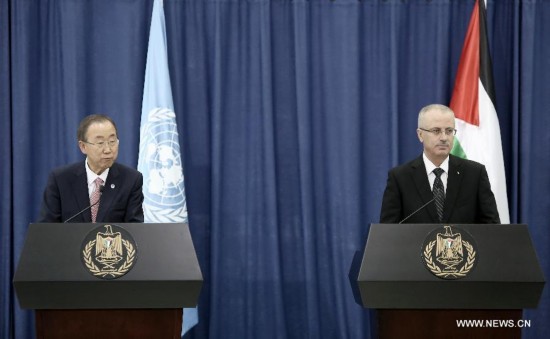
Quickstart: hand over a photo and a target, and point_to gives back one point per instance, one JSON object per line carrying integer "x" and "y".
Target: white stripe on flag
{"x": 483, "y": 144}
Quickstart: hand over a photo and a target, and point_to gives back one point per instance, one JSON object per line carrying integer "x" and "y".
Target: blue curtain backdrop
{"x": 290, "y": 114}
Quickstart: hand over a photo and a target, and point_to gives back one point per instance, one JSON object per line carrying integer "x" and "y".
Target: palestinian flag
{"x": 473, "y": 101}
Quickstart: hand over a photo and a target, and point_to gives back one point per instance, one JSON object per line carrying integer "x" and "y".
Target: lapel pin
{"x": 112, "y": 186}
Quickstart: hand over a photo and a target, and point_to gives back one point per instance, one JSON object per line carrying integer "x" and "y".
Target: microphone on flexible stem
{"x": 101, "y": 189}
{"x": 418, "y": 210}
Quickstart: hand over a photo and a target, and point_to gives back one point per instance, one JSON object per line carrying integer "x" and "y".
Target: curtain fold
{"x": 290, "y": 114}
{"x": 532, "y": 158}
{"x": 6, "y": 193}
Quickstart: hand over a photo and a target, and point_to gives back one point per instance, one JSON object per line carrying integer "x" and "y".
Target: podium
{"x": 412, "y": 302}
{"x": 70, "y": 301}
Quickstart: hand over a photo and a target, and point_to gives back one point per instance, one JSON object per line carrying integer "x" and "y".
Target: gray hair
{"x": 90, "y": 119}
{"x": 426, "y": 109}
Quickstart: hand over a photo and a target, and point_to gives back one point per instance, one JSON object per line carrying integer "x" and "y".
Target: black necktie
{"x": 439, "y": 193}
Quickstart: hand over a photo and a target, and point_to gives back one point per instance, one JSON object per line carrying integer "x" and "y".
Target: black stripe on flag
{"x": 485, "y": 63}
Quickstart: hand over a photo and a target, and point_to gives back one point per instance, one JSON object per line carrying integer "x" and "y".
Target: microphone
{"x": 101, "y": 189}
{"x": 418, "y": 210}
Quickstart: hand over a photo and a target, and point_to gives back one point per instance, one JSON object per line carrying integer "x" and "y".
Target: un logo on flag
{"x": 161, "y": 166}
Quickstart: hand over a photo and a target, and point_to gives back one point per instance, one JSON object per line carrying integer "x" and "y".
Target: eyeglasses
{"x": 103, "y": 144}
{"x": 439, "y": 131}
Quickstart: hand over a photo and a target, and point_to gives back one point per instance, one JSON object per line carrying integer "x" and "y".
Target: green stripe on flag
{"x": 458, "y": 150}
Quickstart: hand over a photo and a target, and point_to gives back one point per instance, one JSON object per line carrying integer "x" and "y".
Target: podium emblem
{"x": 108, "y": 252}
{"x": 449, "y": 253}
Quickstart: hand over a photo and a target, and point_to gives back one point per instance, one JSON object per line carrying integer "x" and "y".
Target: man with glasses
{"x": 113, "y": 191}
{"x": 438, "y": 187}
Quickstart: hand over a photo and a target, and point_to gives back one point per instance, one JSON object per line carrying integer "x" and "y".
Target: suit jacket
{"x": 468, "y": 199}
{"x": 66, "y": 194}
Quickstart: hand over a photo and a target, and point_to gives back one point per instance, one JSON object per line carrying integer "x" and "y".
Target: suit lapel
{"x": 423, "y": 186}
{"x": 109, "y": 192}
{"x": 454, "y": 180}
{"x": 79, "y": 186}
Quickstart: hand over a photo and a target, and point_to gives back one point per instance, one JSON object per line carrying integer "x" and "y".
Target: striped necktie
{"x": 94, "y": 198}
{"x": 439, "y": 193}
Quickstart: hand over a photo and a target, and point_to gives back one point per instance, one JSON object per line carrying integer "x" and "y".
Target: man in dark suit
{"x": 114, "y": 189}
{"x": 466, "y": 195}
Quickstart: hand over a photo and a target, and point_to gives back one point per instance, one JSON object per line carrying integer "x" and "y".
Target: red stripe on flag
{"x": 464, "y": 101}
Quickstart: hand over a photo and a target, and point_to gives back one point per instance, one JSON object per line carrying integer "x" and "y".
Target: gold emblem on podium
{"x": 108, "y": 252}
{"x": 448, "y": 254}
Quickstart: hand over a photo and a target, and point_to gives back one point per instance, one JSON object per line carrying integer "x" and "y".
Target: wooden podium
{"x": 70, "y": 302}
{"x": 412, "y": 302}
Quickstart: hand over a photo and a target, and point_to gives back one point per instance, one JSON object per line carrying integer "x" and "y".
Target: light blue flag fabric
{"x": 159, "y": 151}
